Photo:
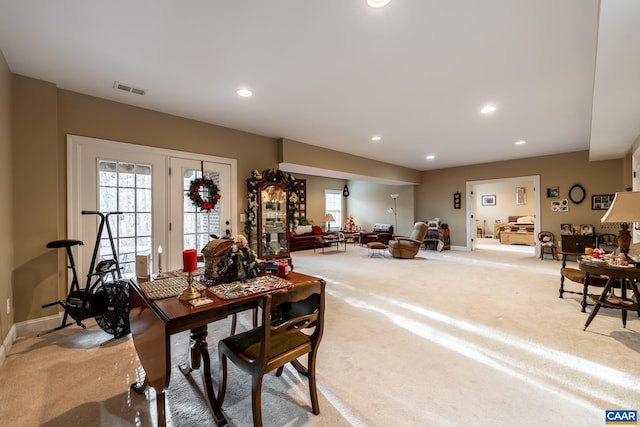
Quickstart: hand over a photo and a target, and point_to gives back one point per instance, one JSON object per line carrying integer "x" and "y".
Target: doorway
{"x": 492, "y": 202}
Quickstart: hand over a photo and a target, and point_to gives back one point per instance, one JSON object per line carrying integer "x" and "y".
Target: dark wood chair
{"x": 608, "y": 242}
{"x": 292, "y": 325}
{"x": 547, "y": 242}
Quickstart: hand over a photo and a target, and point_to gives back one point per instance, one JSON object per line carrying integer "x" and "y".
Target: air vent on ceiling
{"x": 127, "y": 88}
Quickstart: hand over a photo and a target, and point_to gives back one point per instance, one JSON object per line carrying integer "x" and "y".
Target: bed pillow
{"x": 526, "y": 220}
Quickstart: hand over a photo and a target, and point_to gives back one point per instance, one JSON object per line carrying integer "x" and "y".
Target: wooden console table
{"x": 154, "y": 321}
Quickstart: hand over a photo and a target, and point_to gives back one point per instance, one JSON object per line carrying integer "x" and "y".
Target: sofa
{"x": 379, "y": 233}
{"x": 305, "y": 236}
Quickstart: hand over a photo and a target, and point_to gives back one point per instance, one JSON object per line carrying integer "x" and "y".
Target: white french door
{"x": 108, "y": 176}
{"x": 192, "y": 228}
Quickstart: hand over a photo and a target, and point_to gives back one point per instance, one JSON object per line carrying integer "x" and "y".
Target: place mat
{"x": 243, "y": 288}
{"x": 169, "y": 287}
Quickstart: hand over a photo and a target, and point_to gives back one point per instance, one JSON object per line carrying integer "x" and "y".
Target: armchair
{"x": 379, "y": 233}
{"x": 408, "y": 247}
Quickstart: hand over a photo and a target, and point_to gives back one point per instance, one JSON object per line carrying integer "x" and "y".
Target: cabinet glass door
{"x": 273, "y": 222}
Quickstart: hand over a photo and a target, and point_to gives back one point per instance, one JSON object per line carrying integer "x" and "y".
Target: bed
{"x": 518, "y": 231}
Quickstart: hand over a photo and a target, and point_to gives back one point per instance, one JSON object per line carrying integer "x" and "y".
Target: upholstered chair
{"x": 408, "y": 247}
{"x": 379, "y": 233}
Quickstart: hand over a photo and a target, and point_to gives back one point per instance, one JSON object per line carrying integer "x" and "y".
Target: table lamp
{"x": 625, "y": 209}
{"x": 328, "y": 218}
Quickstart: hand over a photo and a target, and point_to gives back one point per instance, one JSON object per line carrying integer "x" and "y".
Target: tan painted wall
{"x": 299, "y": 153}
{"x": 44, "y": 115}
{"x": 369, "y": 204}
{"x": 435, "y": 195}
{"x": 6, "y": 213}
{"x": 36, "y": 159}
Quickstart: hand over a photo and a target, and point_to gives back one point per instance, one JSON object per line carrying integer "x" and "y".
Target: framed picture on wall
{"x": 601, "y": 202}
{"x": 489, "y": 200}
{"x": 553, "y": 192}
{"x": 521, "y": 195}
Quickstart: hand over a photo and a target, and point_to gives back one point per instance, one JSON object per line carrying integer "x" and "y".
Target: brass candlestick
{"x": 190, "y": 292}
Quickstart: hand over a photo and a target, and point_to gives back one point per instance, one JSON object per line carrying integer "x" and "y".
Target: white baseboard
{"x": 29, "y": 327}
{"x": 7, "y": 343}
{"x": 36, "y": 326}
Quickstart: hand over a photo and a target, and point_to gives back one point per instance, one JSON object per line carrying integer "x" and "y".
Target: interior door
{"x": 472, "y": 213}
{"x": 190, "y": 227}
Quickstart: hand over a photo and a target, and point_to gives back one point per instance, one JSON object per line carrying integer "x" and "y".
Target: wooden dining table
{"x": 153, "y": 321}
{"x": 627, "y": 277}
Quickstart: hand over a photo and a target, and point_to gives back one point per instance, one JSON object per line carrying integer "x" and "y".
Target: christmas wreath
{"x": 195, "y": 193}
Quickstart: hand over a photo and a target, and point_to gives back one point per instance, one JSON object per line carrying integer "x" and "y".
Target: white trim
{"x": 75, "y": 146}
{"x": 536, "y": 198}
{"x": 5, "y": 348}
{"x": 40, "y": 325}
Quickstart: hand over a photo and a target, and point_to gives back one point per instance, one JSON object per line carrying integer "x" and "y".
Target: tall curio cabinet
{"x": 271, "y": 237}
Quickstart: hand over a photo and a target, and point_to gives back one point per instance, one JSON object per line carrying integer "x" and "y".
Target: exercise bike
{"x": 105, "y": 296}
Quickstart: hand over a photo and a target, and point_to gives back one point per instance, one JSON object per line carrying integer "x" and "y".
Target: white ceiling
{"x": 333, "y": 73}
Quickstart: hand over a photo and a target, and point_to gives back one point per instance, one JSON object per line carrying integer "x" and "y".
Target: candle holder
{"x": 190, "y": 292}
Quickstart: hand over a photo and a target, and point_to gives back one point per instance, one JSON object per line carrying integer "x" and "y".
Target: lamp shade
{"x": 329, "y": 218}
{"x": 625, "y": 208}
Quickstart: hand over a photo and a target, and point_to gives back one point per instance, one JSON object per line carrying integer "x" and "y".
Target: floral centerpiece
{"x": 239, "y": 261}
{"x": 350, "y": 224}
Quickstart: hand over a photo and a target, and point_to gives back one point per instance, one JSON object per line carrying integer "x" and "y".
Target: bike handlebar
{"x": 100, "y": 213}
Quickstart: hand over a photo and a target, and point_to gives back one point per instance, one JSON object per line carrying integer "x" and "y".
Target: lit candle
{"x": 159, "y": 259}
{"x": 189, "y": 260}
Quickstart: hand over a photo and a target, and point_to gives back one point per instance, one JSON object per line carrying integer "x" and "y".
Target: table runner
{"x": 243, "y": 288}
{"x": 171, "y": 285}
{"x": 174, "y": 285}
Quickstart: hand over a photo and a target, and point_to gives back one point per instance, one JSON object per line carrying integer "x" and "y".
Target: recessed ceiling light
{"x": 376, "y": 138}
{"x": 431, "y": 157}
{"x": 244, "y": 92}
{"x": 488, "y": 109}
{"x": 378, "y": 3}
{"x": 521, "y": 142}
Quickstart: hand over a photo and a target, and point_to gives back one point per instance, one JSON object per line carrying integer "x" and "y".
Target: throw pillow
{"x": 303, "y": 221}
{"x": 317, "y": 230}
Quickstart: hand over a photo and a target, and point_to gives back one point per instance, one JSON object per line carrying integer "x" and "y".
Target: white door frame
{"x": 472, "y": 211}
{"x": 79, "y": 147}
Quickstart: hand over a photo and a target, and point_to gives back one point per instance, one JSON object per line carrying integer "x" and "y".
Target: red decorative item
{"x": 189, "y": 260}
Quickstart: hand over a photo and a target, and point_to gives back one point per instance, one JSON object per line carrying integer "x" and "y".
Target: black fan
{"x": 110, "y": 306}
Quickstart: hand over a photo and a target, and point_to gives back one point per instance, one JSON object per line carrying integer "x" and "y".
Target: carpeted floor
{"x": 446, "y": 339}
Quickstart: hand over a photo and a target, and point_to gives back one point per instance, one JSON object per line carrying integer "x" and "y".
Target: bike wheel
{"x": 110, "y": 306}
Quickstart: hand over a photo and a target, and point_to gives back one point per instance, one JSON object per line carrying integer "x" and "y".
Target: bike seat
{"x": 64, "y": 243}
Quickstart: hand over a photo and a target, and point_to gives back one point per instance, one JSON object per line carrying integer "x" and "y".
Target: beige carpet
{"x": 451, "y": 338}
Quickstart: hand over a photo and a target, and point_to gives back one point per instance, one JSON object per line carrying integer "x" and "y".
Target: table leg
{"x": 623, "y": 293}
{"x": 160, "y": 408}
{"x": 634, "y": 288}
{"x": 198, "y": 351}
{"x": 596, "y": 308}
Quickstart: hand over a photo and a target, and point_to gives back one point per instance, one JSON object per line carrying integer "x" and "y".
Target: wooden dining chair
{"x": 547, "y": 243}
{"x": 284, "y": 335}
